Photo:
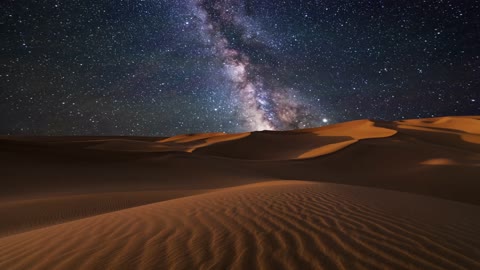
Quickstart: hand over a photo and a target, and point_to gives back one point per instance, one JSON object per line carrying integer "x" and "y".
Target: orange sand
{"x": 357, "y": 195}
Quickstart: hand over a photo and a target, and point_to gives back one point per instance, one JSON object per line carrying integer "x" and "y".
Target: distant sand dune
{"x": 299, "y": 144}
{"x": 461, "y": 124}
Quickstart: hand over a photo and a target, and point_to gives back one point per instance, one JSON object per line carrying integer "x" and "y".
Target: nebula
{"x": 264, "y": 103}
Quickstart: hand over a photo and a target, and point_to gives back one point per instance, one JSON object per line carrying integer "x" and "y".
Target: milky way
{"x": 167, "y": 67}
{"x": 265, "y": 103}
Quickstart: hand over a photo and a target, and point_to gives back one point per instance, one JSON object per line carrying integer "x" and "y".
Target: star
{"x": 160, "y": 68}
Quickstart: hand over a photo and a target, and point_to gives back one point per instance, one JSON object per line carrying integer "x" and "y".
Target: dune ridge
{"x": 24, "y": 215}
{"x": 364, "y": 194}
{"x": 283, "y": 224}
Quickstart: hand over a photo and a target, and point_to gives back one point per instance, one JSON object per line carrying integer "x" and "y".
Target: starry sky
{"x": 165, "y": 67}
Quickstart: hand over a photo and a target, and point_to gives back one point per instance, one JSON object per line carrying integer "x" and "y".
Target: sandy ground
{"x": 357, "y": 195}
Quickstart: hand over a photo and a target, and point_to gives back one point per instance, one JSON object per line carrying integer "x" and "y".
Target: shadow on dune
{"x": 129, "y": 202}
{"x": 267, "y": 145}
{"x": 439, "y": 136}
{"x": 399, "y": 161}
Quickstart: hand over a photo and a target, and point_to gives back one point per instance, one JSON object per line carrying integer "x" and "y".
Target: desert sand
{"x": 358, "y": 195}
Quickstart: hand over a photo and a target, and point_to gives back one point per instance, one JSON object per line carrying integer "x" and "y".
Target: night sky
{"x": 164, "y": 67}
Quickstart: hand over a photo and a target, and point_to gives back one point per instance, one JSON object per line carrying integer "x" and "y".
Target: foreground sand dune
{"x": 274, "y": 225}
{"x": 373, "y": 195}
{"x": 24, "y": 215}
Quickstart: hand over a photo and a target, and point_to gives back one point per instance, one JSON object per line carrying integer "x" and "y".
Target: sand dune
{"x": 274, "y": 225}
{"x": 373, "y": 195}
{"x": 307, "y": 143}
{"x": 24, "y": 215}
{"x": 459, "y": 124}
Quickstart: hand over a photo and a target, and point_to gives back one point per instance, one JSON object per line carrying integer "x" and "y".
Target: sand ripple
{"x": 273, "y": 225}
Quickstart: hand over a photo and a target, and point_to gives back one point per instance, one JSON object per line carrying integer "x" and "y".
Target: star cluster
{"x": 161, "y": 67}
{"x": 250, "y": 65}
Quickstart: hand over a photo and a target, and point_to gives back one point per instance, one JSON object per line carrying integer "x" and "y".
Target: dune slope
{"x": 274, "y": 225}
{"x": 24, "y": 215}
{"x": 367, "y": 195}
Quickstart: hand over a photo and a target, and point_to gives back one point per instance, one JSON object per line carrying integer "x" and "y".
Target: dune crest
{"x": 360, "y": 129}
{"x": 286, "y": 224}
{"x": 360, "y": 195}
{"x": 327, "y": 149}
{"x": 462, "y": 124}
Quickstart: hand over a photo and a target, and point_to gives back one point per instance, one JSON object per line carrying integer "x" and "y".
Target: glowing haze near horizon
{"x": 158, "y": 67}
